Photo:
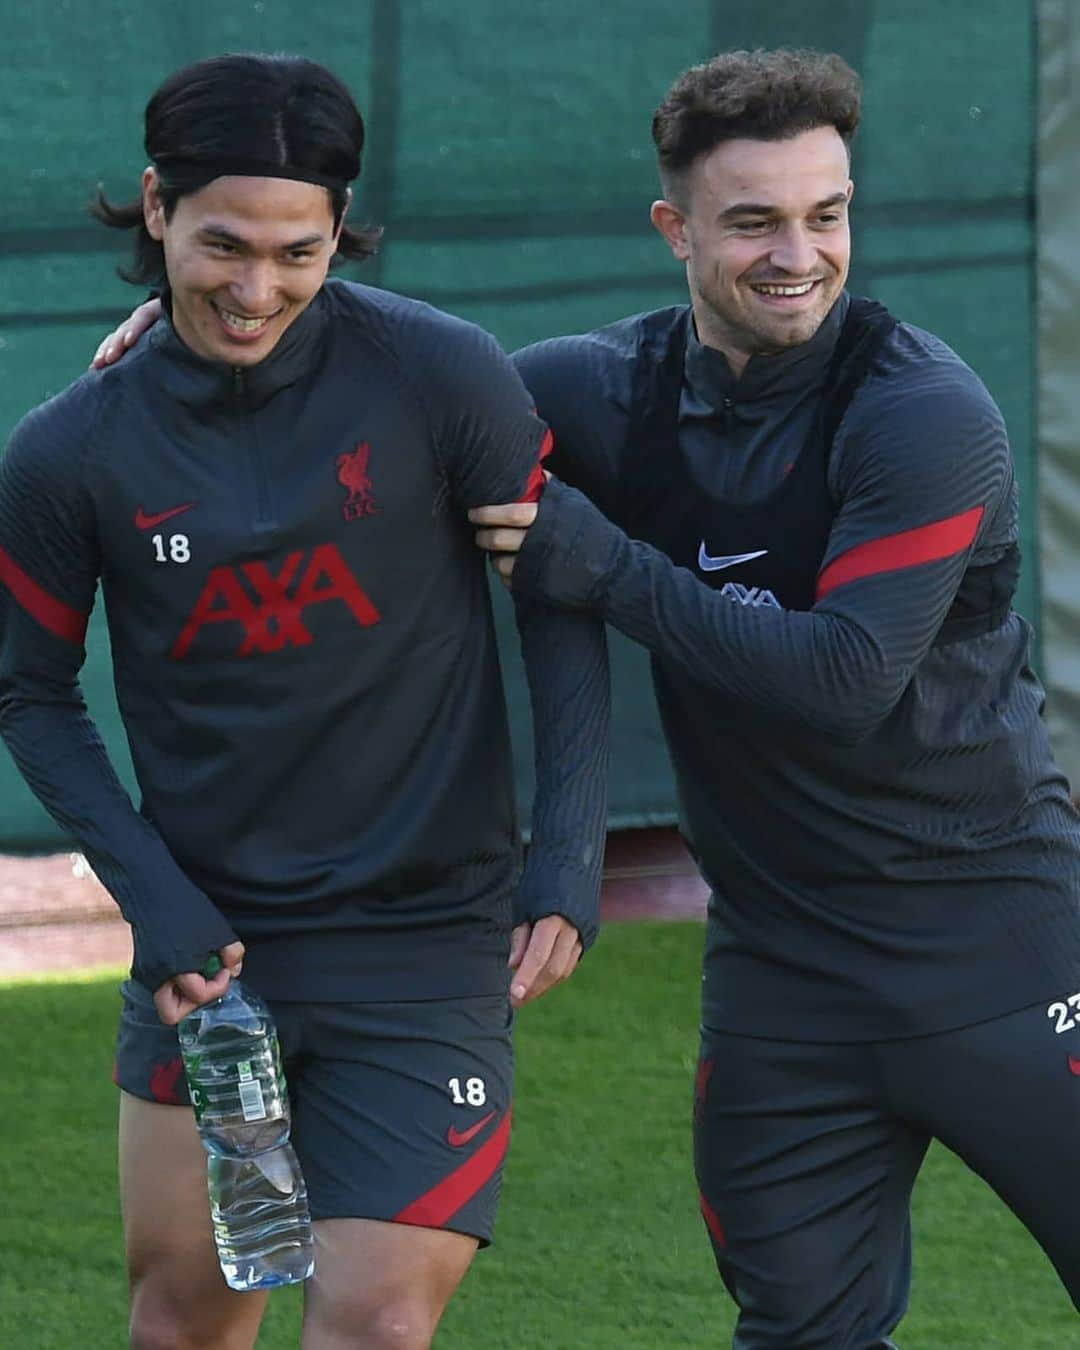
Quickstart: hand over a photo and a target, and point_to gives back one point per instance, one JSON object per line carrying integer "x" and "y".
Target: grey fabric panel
{"x": 1058, "y": 393}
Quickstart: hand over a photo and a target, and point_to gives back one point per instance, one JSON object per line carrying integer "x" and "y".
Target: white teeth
{"x": 784, "y": 290}
{"x": 241, "y": 324}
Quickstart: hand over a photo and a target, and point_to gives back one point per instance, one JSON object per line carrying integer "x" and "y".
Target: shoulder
{"x": 603, "y": 362}
{"x": 916, "y": 376}
{"x": 400, "y": 324}
{"x": 63, "y": 426}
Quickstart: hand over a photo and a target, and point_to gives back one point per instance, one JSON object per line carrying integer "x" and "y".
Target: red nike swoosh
{"x": 145, "y": 522}
{"x": 459, "y": 1138}
{"x": 1074, "y": 1066}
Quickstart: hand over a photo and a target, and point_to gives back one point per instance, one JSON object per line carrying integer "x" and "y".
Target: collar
{"x": 200, "y": 382}
{"x": 764, "y": 378}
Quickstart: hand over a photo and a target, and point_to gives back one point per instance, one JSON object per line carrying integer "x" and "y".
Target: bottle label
{"x": 251, "y": 1097}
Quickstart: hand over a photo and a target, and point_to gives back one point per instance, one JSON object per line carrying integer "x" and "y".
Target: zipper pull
{"x": 239, "y": 384}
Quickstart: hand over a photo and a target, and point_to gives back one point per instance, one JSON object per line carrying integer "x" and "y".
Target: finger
{"x": 501, "y": 540}
{"x": 562, "y": 942}
{"x": 232, "y": 958}
{"x": 519, "y": 940}
{"x": 560, "y": 965}
{"x": 541, "y": 942}
{"x": 504, "y": 564}
{"x": 518, "y": 515}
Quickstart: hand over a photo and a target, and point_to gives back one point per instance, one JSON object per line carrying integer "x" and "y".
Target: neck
{"x": 709, "y": 335}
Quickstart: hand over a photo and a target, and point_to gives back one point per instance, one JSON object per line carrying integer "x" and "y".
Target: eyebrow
{"x": 764, "y": 209}
{"x": 212, "y": 231}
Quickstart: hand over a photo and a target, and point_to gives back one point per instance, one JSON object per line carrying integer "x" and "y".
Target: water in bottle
{"x": 258, "y": 1199}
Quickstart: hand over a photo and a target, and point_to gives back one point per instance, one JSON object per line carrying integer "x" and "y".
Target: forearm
{"x": 59, "y": 753}
{"x": 566, "y": 665}
{"x": 824, "y": 670}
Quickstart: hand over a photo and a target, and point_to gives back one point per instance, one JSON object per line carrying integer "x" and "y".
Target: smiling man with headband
{"x": 273, "y": 491}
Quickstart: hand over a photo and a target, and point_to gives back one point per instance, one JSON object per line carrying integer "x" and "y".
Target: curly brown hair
{"x": 761, "y": 95}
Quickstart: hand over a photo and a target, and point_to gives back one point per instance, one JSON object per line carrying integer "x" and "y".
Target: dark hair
{"x": 762, "y": 95}
{"x": 277, "y": 110}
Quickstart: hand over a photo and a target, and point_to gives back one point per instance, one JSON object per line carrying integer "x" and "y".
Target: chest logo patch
{"x": 151, "y": 520}
{"x": 717, "y": 564}
{"x": 352, "y": 472}
{"x": 269, "y": 609}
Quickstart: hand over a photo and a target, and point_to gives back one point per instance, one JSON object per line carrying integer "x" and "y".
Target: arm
{"x": 48, "y": 575}
{"x": 491, "y": 443}
{"x": 928, "y": 481}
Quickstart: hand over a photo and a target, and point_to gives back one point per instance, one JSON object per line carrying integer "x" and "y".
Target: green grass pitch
{"x": 599, "y": 1244}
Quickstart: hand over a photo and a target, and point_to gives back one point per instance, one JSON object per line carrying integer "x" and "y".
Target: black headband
{"x": 192, "y": 174}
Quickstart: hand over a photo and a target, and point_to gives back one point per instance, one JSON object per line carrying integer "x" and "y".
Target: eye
{"x": 751, "y": 226}
{"x": 300, "y": 255}
{"x": 220, "y": 246}
{"x": 830, "y": 218}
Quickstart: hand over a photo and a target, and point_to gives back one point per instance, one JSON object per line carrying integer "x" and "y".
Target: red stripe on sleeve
{"x": 926, "y": 544}
{"x": 439, "y": 1205}
{"x": 710, "y": 1216}
{"x": 53, "y": 614}
{"x": 535, "y": 486}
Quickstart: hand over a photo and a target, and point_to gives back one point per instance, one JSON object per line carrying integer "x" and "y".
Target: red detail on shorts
{"x": 116, "y": 1072}
{"x": 1074, "y": 1066}
{"x": 53, "y": 614}
{"x": 163, "y": 1082}
{"x": 909, "y": 548}
{"x": 713, "y": 1222}
{"x": 704, "y": 1073}
{"x": 458, "y": 1138}
{"x": 535, "y": 486}
{"x": 438, "y": 1206}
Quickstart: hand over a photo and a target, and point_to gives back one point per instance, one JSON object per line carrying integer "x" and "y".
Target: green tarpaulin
{"x": 511, "y": 164}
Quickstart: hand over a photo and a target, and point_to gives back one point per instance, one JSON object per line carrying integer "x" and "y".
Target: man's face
{"x": 764, "y": 235}
{"x": 244, "y": 258}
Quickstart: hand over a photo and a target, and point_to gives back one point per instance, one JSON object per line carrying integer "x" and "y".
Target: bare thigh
{"x": 178, "y": 1296}
{"x": 381, "y": 1284}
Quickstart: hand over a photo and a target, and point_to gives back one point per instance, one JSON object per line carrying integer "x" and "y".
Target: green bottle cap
{"x": 213, "y": 965}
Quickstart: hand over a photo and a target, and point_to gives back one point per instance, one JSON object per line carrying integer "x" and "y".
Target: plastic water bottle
{"x": 258, "y": 1199}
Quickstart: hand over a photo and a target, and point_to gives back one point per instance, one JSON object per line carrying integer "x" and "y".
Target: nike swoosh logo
{"x": 459, "y": 1138}
{"x": 709, "y": 564}
{"x": 145, "y": 522}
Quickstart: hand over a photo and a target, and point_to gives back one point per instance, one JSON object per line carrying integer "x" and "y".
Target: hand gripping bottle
{"x": 258, "y": 1199}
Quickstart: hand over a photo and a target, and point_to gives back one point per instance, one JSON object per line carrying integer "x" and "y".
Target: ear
{"x": 153, "y": 209}
{"x": 341, "y": 222}
{"x": 670, "y": 221}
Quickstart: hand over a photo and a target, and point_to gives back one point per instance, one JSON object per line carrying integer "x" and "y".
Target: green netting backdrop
{"x": 511, "y": 165}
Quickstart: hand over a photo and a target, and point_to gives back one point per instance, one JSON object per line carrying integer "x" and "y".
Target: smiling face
{"x": 244, "y": 259}
{"x": 763, "y": 231}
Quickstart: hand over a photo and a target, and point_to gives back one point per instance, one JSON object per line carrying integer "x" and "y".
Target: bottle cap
{"x": 212, "y": 967}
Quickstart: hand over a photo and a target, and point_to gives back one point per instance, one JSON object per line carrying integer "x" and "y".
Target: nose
{"x": 793, "y": 251}
{"x": 255, "y": 287}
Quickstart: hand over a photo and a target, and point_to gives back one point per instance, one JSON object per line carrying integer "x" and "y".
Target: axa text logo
{"x": 270, "y": 609}
{"x": 755, "y": 596}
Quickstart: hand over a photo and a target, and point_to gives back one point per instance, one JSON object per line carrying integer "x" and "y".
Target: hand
{"x": 542, "y": 955}
{"x": 504, "y": 531}
{"x": 125, "y": 335}
{"x": 184, "y": 993}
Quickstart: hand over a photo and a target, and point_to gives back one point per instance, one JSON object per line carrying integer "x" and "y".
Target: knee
{"x": 404, "y": 1323}
{"x": 161, "y": 1322}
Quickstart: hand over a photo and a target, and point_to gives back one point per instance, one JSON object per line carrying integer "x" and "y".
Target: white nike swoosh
{"x": 708, "y": 564}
